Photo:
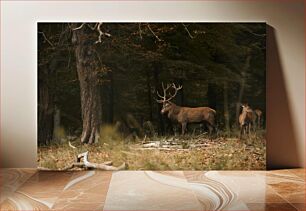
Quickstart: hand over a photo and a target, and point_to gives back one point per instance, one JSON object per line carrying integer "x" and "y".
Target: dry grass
{"x": 221, "y": 153}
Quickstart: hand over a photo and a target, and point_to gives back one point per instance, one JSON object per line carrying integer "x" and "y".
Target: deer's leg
{"x": 210, "y": 129}
{"x": 184, "y": 124}
{"x": 214, "y": 128}
{"x": 241, "y": 131}
{"x": 254, "y": 125}
{"x": 244, "y": 129}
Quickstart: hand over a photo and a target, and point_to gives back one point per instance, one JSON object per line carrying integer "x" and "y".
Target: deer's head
{"x": 166, "y": 92}
{"x": 166, "y": 107}
{"x": 246, "y": 108}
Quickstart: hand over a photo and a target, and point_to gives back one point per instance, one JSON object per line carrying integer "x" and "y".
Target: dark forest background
{"x": 218, "y": 64}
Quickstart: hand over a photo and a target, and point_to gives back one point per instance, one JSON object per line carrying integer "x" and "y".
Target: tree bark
{"x": 212, "y": 96}
{"x": 45, "y": 108}
{"x": 56, "y": 123}
{"x": 242, "y": 85}
{"x": 88, "y": 75}
{"x": 111, "y": 98}
{"x": 225, "y": 103}
{"x": 149, "y": 95}
{"x": 46, "y": 98}
{"x": 107, "y": 90}
{"x": 161, "y": 125}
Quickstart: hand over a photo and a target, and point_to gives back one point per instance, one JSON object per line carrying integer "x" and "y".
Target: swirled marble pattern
{"x": 11, "y": 179}
{"x": 28, "y": 189}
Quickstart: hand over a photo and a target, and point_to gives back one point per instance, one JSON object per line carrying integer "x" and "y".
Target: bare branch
{"x": 101, "y": 34}
{"x": 187, "y": 31}
{"x": 73, "y": 147}
{"x": 77, "y": 28}
{"x": 43, "y": 34}
{"x": 148, "y": 25}
{"x": 140, "y": 31}
{"x": 92, "y": 28}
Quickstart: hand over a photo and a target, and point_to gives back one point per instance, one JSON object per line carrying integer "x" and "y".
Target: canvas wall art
{"x": 151, "y": 96}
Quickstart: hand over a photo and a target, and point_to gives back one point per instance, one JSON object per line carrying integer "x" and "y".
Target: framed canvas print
{"x": 151, "y": 96}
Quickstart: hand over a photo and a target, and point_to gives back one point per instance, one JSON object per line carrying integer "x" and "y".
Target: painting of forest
{"x": 151, "y": 96}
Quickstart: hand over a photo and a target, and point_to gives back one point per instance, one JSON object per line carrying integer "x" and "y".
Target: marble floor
{"x": 29, "y": 189}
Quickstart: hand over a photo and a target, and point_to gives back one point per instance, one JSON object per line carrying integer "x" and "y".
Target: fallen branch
{"x": 199, "y": 145}
{"x": 106, "y": 166}
{"x": 73, "y": 147}
{"x": 154, "y": 144}
{"x": 100, "y": 166}
{"x": 160, "y": 149}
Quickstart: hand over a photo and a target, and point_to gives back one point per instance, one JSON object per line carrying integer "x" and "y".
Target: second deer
{"x": 258, "y": 113}
{"x": 246, "y": 119}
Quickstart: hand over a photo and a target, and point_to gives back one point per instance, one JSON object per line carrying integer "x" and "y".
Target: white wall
{"x": 19, "y": 69}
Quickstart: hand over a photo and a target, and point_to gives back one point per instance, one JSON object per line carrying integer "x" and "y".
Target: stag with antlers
{"x": 185, "y": 115}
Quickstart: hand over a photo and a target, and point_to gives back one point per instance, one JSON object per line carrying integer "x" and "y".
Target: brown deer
{"x": 185, "y": 115}
{"x": 246, "y": 119}
{"x": 258, "y": 113}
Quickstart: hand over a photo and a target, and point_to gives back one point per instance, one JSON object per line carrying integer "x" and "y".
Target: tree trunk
{"x": 88, "y": 75}
{"x": 212, "y": 96}
{"x": 225, "y": 103}
{"x": 161, "y": 125}
{"x": 149, "y": 95}
{"x": 181, "y": 93}
{"x": 46, "y": 98}
{"x": 108, "y": 102}
{"x": 111, "y": 99}
{"x": 242, "y": 85}
{"x": 49, "y": 61}
{"x": 45, "y": 109}
{"x": 56, "y": 124}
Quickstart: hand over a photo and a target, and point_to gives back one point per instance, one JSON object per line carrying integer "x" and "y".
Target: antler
{"x": 163, "y": 98}
{"x": 165, "y": 89}
{"x": 175, "y": 91}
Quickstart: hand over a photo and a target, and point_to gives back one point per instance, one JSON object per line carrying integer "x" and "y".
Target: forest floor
{"x": 189, "y": 152}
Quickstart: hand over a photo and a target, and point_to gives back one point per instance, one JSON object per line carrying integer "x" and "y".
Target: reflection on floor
{"x": 29, "y": 189}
